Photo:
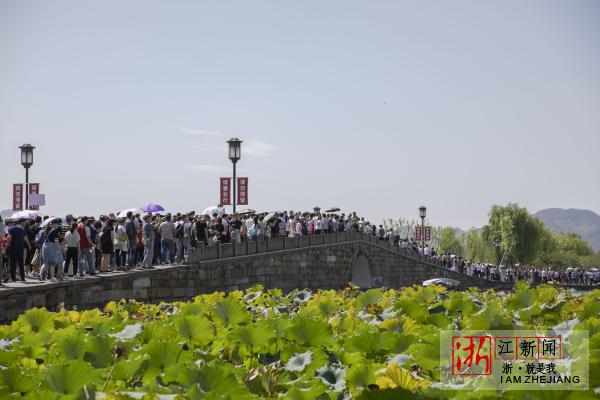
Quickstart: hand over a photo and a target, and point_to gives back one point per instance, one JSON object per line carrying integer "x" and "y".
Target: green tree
{"x": 563, "y": 250}
{"x": 449, "y": 242}
{"x": 479, "y": 250}
{"x": 518, "y": 232}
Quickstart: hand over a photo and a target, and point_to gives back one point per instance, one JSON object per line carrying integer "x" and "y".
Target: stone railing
{"x": 254, "y": 247}
{"x": 251, "y": 247}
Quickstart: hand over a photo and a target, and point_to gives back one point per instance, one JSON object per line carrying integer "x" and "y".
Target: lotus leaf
{"x": 299, "y": 361}
{"x": 230, "y": 312}
{"x": 311, "y": 332}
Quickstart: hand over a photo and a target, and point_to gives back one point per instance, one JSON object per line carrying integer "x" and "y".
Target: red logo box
{"x": 474, "y": 351}
{"x": 541, "y": 338}
{"x": 513, "y": 340}
{"x": 537, "y": 344}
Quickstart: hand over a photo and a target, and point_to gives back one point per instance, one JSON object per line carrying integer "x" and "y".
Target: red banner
{"x": 34, "y": 188}
{"x": 427, "y": 233}
{"x": 418, "y": 233}
{"x": 242, "y": 191}
{"x": 17, "y": 197}
{"x": 225, "y": 191}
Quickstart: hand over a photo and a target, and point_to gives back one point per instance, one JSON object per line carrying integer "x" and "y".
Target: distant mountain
{"x": 586, "y": 223}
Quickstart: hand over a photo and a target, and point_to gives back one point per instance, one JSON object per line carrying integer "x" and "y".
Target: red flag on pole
{"x": 17, "y": 197}
{"x": 34, "y": 188}
{"x": 225, "y": 184}
{"x": 242, "y": 191}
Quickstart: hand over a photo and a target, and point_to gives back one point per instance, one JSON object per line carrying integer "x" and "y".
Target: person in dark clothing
{"x": 201, "y": 230}
{"x": 17, "y": 241}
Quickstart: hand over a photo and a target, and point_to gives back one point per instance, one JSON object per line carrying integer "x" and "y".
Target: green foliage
{"x": 449, "y": 242}
{"x": 325, "y": 345}
{"x": 311, "y": 332}
{"x": 70, "y": 378}
{"x": 518, "y": 232}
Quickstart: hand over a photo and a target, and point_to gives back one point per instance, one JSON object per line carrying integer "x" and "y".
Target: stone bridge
{"x": 316, "y": 262}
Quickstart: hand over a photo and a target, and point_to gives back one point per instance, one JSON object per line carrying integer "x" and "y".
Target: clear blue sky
{"x": 373, "y": 106}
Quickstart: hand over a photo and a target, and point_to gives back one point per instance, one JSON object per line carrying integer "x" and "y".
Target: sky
{"x": 374, "y": 106}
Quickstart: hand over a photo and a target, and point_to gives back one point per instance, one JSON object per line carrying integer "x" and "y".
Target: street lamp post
{"x": 27, "y": 161}
{"x": 235, "y": 153}
{"x": 422, "y": 214}
{"x": 496, "y": 245}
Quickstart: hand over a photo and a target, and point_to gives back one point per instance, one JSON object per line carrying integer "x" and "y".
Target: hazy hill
{"x": 586, "y": 223}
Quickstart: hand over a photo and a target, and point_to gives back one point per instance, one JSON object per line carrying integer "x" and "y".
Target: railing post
{"x": 267, "y": 244}
{"x": 284, "y": 242}
{"x": 246, "y": 241}
{"x": 219, "y": 250}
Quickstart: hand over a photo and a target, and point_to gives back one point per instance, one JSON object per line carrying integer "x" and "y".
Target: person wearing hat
{"x": 15, "y": 245}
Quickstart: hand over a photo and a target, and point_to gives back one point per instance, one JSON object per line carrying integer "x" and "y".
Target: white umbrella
{"x": 123, "y": 214}
{"x": 247, "y": 211}
{"x": 270, "y": 216}
{"x": 48, "y": 221}
{"x": 214, "y": 210}
{"x": 29, "y": 214}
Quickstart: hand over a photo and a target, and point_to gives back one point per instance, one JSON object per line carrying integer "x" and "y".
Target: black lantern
{"x": 27, "y": 161}
{"x": 27, "y": 155}
{"x": 235, "y": 153}
{"x": 235, "y": 149}
{"x": 422, "y": 214}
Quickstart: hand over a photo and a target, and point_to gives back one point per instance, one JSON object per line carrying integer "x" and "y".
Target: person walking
{"x": 72, "y": 240}
{"x": 107, "y": 240}
{"x": 17, "y": 240}
{"x": 121, "y": 245}
{"x": 50, "y": 250}
{"x": 167, "y": 233}
{"x": 86, "y": 244}
{"x": 148, "y": 240}
{"x": 130, "y": 231}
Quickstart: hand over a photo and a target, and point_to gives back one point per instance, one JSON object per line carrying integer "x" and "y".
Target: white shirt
{"x": 72, "y": 239}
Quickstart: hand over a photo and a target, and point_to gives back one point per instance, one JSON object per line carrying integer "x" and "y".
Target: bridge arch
{"x": 360, "y": 274}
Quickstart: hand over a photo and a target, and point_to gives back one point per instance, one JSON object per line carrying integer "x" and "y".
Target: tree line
{"x": 511, "y": 236}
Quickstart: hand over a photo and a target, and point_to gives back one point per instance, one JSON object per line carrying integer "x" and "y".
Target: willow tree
{"x": 518, "y": 233}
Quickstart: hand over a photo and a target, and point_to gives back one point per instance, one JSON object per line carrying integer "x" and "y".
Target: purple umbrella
{"x": 150, "y": 208}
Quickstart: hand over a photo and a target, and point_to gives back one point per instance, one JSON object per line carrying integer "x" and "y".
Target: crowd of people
{"x": 52, "y": 248}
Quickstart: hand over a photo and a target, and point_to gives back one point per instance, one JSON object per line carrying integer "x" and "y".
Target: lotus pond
{"x": 264, "y": 344}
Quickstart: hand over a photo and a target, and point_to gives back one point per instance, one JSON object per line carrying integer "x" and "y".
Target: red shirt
{"x": 84, "y": 243}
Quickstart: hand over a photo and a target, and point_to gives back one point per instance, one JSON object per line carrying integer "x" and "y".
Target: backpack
{"x": 40, "y": 238}
{"x": 179, "y": 231}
